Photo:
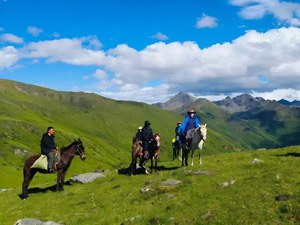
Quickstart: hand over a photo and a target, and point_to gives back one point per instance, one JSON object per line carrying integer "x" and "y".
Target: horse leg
{"x": 200, "y": 149}
{"x": 180, "y": 156}
{"x": 192, "y": 156}
{"x": 61, "y": 185}
{"x": 156, "y": 159}
{"x": 28, "y": 176}
{"x": 186, "y": 157}
{"x": 59, "y": 178}
{"x": 182, "y": 159}
{"x": 174, "y": 153}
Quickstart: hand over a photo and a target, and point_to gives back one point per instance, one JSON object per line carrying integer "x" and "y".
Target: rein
{"x": 200, "y": 133}
{"x": 77, "y": 150}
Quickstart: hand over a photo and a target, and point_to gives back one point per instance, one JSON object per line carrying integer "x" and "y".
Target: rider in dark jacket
{"x": 47, "y": 145}
{"x": 147, "y": 136}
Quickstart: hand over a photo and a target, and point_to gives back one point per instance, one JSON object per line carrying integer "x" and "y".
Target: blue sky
{"x": 150, "y": 50}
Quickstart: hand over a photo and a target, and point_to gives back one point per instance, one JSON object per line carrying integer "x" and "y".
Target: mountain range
{"x": 271, "y": 123}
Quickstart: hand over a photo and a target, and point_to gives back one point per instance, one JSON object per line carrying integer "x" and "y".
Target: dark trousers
{"x": 50, "y": 160}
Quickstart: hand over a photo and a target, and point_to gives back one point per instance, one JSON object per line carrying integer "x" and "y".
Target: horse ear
{"x": 79, "y": 139}
{"x": 205, "y": 125}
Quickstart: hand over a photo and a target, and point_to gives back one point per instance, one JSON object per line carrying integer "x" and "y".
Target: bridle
{"x": 200, "y": 133}
{"x": 77, "y": 150}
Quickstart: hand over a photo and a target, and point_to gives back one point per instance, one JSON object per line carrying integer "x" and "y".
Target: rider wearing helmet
{"x": 189, "y": 124}
{"x": 138, "y": 134}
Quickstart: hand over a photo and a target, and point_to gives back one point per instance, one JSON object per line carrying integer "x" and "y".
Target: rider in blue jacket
{"x": 189, "y": 124}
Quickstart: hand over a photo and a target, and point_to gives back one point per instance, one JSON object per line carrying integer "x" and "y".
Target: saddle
{"x": 42, "y": 161}
{"x": 56, "y": 158}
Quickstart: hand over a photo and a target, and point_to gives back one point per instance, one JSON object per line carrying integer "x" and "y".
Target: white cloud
{"x": 11, "y": 38}
{"x": 35, "y": 61}
{"x": 144, "y": 94}
{"x": 64, "y": 50}
{"x": 56, "y": 34}
{"x": 34, "y": 31}
{"x": 160, "y": 36}
{"x": 232, "y": 67}
{"x": 283, "y": 11}
{"x": 206, "y": 21}
{"x": 85, "y": 77}
{"x": 8, "y": 57}
{"x": 1, "y": 29}
{"x": 100, "y": 74}
{"x": 278, "y": 94}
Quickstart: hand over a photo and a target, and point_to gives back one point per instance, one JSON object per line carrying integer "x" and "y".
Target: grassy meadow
{"x": 106, "y": 128}
{"x": 198, "y": 199}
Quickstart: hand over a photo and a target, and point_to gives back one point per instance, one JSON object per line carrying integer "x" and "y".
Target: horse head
{"x": 203, "y": 130}
{"x": 79, "y": 149}
{"x": 157, "y": 139}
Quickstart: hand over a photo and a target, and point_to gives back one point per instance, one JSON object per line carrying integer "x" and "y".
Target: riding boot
{"x": 146, "y": 155}
{"x": 188, "y": 143}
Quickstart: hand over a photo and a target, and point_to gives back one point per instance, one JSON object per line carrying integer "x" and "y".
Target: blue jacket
{"x": 182, "y": 127}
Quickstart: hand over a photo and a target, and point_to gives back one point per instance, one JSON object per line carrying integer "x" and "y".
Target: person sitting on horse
{"x": 177, "y": 136}
{"x": 47, "y": 145}
{"x": 188, "y": 126}
{"x": 147, "y": 137}
{"x": 138, "y": 134}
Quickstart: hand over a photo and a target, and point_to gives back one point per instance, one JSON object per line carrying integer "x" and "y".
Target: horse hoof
{"x": 146, "y": 172}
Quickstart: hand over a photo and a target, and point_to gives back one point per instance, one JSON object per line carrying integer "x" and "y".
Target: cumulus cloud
{"x": 56, "y": 34}
{"x": 11, "y": 38}
{"x": 160, "y": 36}
{"x": 206, "y": 21}
{"x": 64, "y": 50}
{"x": 283, "y": 11}
{"x": 232, "y": 67}
{"x": 34, "y": 31}
{"x": 8, "y": 57}
{"x": 100, "y": 74}
{"x": 278, "y": 94}
{"x": 142, "y": 94}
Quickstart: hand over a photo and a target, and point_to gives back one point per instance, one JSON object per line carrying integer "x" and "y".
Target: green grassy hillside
{"x": 105, "y": 126}
{"x": 279, "y": 121}
{"x": 266, "y": 192}
{"x": 241, "y": 132}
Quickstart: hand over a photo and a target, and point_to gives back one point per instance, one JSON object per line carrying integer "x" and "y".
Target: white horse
{"x": 197, "y": 142}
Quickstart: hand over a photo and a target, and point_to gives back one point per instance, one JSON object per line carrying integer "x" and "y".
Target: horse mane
{"x": 65, "y": 148}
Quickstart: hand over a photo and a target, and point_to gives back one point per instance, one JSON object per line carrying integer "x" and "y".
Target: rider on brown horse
{"x": 47, "y": 145}
{"x": 147, "y": 136}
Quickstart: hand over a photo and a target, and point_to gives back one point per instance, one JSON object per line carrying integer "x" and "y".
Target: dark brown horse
{"x": 136, "y": 149}
{"x": 154, "y": 152}
{"x": 66, "y": 156}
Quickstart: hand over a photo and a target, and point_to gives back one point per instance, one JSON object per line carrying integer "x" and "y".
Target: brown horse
{"x": 136, "y": 149}
{"x": 66, "y": 156}
{"x": 154, "y": 152}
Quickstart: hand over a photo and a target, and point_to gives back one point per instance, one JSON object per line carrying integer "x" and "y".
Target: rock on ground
{"x": 170, "y": 183}
{"x": 86, "y": 177}
{"x": 144, "y": 190}
{"x": 28, "y": 221}
{"x": 256, "y": 161}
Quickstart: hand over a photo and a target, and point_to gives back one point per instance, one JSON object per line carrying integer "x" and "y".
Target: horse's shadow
{"x": 141, "y": 170}
{"x": 293, "y": 154}
{"x": 37, "y": 190}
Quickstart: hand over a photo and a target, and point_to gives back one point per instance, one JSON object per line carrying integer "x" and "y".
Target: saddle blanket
{"x": 41, "y": 163}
